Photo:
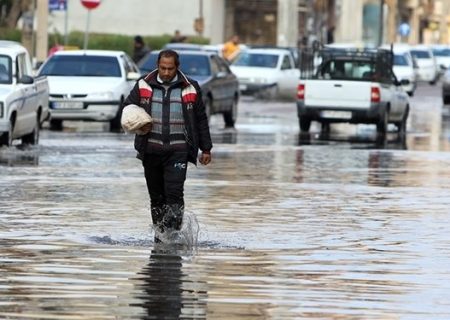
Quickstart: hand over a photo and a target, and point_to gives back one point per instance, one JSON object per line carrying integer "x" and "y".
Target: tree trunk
{"x": 15, "y": 12}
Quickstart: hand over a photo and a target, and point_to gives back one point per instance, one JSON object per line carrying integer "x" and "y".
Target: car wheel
{"x": 305, "y": 124}
{"x": 56, "y": 124}
{"x": 325, "y": 127}
{"x": 446, "y": 99}
{"x": 382, "y": 124}
{"x": 114, "y": 124}
{"x": 229, "y": 116}
{"x": 401, "y": 126}
{"x": 33, "y": 137}
{"x": 208, "y": 105}
{"x": 7, "y": 137}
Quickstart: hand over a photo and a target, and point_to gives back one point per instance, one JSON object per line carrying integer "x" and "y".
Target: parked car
{"x": 23, "y": 98}
{"x": 446, "y": 87}
{"x": 442, "y": 55}
{"x": 353, "y": 86}
{"x": 220, "y": 87}
{"x": 88, "y": 85}
{"x": 269, "y": 73}
{"x": 428, "y": 70}
{"x": 178, "y": 46}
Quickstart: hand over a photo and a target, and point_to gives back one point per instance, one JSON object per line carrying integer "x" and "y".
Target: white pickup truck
{"x": 353, "y": 86}
{"x": 23, "y": 98}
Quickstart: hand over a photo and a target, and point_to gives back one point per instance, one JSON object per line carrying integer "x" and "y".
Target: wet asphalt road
{"x": 324, "y": 227}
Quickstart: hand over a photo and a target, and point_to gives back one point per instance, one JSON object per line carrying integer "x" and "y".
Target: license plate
{"x": 336, "y": 114}
{"x": 242, "y": 87}
{"x": 68, "y": 105}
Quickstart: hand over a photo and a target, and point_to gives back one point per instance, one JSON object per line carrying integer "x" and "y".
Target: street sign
{"x": 404, "y": 29}
{"x": 57, "y": 5}
{"x": 90, "y": 4}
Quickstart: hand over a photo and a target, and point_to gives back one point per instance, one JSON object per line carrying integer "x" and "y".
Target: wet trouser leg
{"x": 165, "y": 176}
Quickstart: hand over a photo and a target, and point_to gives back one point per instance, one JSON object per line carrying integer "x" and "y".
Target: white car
{"x": 426, "y": 62}
{"x": 442, "y": 55}
{"x": 270, "y": 72}
{"x": 404, "y": 66}
{"x": 88, "y": 85}
{"x": 23, "y": 98}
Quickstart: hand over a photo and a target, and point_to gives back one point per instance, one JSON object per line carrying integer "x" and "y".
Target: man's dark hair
{"x": 139, "y": 39}
{"x": 169, "y": 54}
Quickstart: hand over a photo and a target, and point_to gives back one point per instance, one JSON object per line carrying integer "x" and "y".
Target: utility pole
{"x": 41, "y": 30}
{"x": 381, "y": 28}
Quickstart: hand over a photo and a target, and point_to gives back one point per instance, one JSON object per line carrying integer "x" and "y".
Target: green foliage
{"x": 10, "y": 34}
{"x": 100, "y": 41}
{"x": 115, "y": 42}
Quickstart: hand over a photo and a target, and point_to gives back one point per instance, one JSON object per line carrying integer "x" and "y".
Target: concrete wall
{"x": 145, "y": 17}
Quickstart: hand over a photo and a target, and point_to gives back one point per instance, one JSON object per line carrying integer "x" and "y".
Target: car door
{"x": 395, "y": 92}
{"x": 289, "y": 76}
{"x": 26, "y": 111}
{"x": 216, "y": 85}
{"x": 228, "y": 82}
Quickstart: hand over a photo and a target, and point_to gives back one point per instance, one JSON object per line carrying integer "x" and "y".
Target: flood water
{"x": 324, "y": 229}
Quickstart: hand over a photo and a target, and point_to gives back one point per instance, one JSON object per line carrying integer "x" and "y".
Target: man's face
{"x": 167, "y": 69}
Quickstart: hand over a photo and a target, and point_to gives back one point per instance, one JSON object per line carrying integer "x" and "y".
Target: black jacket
{"x": 195, "y": 120}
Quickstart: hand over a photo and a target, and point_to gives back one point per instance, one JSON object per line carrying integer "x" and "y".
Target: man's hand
{"x": 205, "y": 158}
{"x": 146, "y": 128}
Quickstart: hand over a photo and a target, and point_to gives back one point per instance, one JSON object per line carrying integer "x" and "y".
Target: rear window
{"x": 5, "y": 70}
{"x": 248, "y": 59}
{"x": 347, "y": 70}
{"x": 81, "y": 66}
{"x": 441, "y": 52}
{"x": 400, "y": 60}
{"x": 420, "y": 54}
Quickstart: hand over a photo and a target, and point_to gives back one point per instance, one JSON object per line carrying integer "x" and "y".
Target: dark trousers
{"x": 165, "y": 174}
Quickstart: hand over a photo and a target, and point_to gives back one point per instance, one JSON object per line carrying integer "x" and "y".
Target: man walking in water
{"x": 165, "y": 146}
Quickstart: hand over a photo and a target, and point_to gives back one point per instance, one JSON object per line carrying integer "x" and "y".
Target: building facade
{"x": 267, "y": 22}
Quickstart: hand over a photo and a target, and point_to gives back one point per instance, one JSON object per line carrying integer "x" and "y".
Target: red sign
{"x": 90, "y": 4}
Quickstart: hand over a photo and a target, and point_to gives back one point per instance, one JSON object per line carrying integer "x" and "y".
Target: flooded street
{"x": 334, "y": 227}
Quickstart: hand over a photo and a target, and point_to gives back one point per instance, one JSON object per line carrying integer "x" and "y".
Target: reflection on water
{"x": 16, "y": 156}
{"x": 334, "y": 229}
{"x": 165, "y": 291}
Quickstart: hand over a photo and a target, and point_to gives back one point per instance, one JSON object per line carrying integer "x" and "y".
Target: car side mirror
{"x": 26, "y": 79}
{"x": 132, "y": 76}
{"x": 405, "y": 82}
{"x": 442, "y": 67}
{"x": 221, "y": 74}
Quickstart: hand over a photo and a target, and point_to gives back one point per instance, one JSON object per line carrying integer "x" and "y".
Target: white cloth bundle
{"x": 133, "y": 118}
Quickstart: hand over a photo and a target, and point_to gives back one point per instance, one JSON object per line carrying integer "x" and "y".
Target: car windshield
{"x": 261, "y": 60}
{"x": 193, "y": 65}
{"x": 441, "y": 52}
{"x": 420, "y": 54}
{"x": 400, "y": 60}
{"x": 81, "y": 66}
{"x": 5, "y": 70}
{"x": 347, "y": 70}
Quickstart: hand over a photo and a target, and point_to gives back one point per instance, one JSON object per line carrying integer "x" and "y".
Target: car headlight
{"x": 106, "y": 95}
{"x": 1, "y": 109}
{"x": 260, "y": 80}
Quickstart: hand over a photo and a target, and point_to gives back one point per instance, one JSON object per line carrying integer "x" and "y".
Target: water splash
{"x": 186, "y": 237}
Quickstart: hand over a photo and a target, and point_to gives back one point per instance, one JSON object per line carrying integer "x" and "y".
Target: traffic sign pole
{"x": 86, "y": 34}
{"x": 88, "y": 4}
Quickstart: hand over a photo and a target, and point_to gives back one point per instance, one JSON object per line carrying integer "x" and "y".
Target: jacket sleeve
{"x": 204, "y": 137}
{"x": 133, "y": 97}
